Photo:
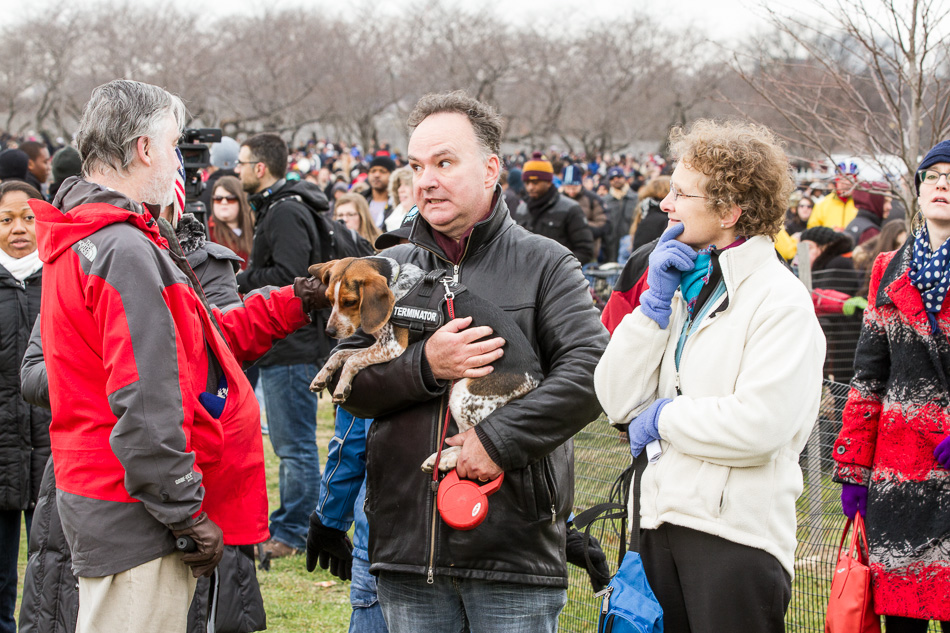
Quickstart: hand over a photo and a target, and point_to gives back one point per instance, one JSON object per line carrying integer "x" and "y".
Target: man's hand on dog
{"x": 473, "y": 461}
{"x": 454, "y": 351}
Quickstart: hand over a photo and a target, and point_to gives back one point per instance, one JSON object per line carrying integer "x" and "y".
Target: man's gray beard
{"x": 160, "y": 191}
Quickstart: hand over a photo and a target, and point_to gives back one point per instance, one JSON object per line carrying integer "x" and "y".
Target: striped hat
{"x": 538, "y": 169}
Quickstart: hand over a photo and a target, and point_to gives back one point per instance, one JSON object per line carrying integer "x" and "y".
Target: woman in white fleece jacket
{"x": 721, "y": 362}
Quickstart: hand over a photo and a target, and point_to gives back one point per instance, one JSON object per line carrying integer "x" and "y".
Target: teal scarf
{"x": 692, "y": 282}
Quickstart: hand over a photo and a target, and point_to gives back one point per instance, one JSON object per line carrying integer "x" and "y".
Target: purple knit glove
{"x": 667, "y": 261}
{"x": 644, "y": 429}
{"x": 942, "y": 452}
{"x": 854, "y": 498}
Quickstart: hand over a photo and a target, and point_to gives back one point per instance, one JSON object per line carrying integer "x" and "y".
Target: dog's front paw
{"x": 448, "y": 461}
{"x": 320, "y": 380}
{"x": 341, "y": 394}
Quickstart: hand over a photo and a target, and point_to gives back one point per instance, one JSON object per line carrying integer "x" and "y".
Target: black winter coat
{"x": 540, "y": 285}
{"x": 562, "y": 220}
{"x": 24, "y": 429}
{"x": 286, "y": 243}
{"x": 621, "y": 213}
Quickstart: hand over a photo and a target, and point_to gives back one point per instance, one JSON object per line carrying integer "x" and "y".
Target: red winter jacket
{"x": 897, "y": 413}
{"x": 630, "y": 285}
{"x": 129, "y": 348}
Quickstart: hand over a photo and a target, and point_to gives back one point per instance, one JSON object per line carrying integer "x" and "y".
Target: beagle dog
{"x": 364, "y": 291}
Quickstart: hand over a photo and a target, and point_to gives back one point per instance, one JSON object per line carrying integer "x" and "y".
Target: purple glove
{"x": 643, "y": 428}
{"x": 942, "y": 452}
{"x": 667, "y": 261}
{"x": 854, "y": 498}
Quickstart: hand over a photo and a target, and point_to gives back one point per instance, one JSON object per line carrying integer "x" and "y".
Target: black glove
{"x": 331, "y": 547}
{"x": 209, "y": 545}
{"x": 599, "y": 571}
{"x": 312, "y": 292}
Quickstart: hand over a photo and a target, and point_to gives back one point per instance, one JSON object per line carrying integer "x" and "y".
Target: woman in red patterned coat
{"x": 893, "y": 453}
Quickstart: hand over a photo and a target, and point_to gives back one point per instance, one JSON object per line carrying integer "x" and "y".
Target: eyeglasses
{"x": 246, "y": 162}
{"x": 932, "y": 176}
{"x": 805, "y": 204}
{"x": 223, "y": 199}
{"x": 350, "y": 214}
{"x": 677, "y": 194}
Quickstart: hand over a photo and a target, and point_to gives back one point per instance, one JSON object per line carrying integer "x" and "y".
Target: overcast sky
{"x": 723, "y": 20}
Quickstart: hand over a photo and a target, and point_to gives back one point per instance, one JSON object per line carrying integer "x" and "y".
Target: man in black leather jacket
{"x": 509, "y": 573}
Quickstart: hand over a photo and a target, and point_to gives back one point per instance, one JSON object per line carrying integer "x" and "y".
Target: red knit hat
{"x": 538, "y": 169}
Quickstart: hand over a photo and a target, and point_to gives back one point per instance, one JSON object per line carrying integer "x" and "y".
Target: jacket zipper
{"x": 552, "y": 489}
{"x": 690, "y": 336}
{"x": 430, "y": 574}
{"x": 434, "y": 486}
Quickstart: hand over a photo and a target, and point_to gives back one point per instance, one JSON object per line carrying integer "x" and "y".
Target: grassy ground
{"x": 295, "y": 601}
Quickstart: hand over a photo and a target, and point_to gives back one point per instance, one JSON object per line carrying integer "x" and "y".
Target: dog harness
{"x": 421, "y": 310}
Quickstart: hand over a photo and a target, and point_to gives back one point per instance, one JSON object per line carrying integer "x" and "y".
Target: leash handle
{"x": 450, "y": 304}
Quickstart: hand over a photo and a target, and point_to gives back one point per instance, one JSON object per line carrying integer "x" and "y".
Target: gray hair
{"x": 117, "y": 115}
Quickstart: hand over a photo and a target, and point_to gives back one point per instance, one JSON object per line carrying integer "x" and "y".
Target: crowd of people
{"x": 135, "y": 334}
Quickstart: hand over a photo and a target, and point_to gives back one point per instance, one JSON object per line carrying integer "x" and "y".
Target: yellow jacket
{"x": 786, "y": 245}
{"x": 833, "y": 212}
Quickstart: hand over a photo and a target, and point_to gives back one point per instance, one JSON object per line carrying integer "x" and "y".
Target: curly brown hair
{"x": 744, "y": 165}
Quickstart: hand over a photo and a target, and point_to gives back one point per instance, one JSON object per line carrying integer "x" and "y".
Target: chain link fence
{"x": 600, "y": 454}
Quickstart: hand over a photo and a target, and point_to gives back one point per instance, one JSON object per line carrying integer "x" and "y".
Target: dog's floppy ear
{"x": 376, "y": 304}
{"x": 322, "y": 271}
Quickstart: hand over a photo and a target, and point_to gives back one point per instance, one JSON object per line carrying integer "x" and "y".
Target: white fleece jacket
{"x": 750, "y": 378}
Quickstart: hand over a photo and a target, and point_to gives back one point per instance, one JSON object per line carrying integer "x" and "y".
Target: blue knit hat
{"x": 939, "y": 153}
{"x": 573, "y": 175}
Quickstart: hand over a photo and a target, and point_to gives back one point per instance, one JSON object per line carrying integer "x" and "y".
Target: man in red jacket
{"x": 155, "y": 431}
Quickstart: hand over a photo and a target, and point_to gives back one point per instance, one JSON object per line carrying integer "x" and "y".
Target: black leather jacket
{"x": 539, "y": 283}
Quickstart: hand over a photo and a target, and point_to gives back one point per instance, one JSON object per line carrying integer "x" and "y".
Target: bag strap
{"x": 640, "y": 464}
{"x": 613, "y": 510}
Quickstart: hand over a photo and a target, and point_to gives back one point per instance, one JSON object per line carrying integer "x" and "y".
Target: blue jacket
{"x": 343, "y": 486}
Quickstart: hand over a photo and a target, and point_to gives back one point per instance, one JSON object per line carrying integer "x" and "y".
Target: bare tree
{"x": 870, "y": 78}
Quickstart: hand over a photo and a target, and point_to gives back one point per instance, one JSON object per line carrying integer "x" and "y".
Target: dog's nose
{"x": 331, "y": 331}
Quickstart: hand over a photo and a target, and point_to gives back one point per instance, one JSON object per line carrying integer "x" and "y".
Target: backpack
{"x": 335, "y": 239}
{"x": 338, "y": 241}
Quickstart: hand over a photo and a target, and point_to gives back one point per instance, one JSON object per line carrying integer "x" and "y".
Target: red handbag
{"x": 850, "y": 606}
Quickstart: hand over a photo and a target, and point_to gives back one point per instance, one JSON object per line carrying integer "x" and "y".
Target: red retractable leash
{"x": 462, "y": 503}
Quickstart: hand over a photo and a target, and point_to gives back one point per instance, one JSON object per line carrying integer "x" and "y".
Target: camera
{"x": 196, "y": 155}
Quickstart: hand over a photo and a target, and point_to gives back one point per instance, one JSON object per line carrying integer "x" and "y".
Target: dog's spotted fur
{"x": 363, "y": 295}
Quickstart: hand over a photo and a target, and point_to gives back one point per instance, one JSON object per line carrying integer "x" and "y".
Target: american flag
{"x": 180, "y": 187}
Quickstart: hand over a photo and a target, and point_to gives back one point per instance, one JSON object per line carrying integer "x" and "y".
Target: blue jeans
{"x": 452, "y": 605}
{"x": 9, "y": 552}
{"x": 367, "y": 616}
{"x": 292, "y": 420}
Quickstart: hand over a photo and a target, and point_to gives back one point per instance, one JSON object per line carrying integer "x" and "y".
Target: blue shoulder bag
{"x": 628, "y": 604}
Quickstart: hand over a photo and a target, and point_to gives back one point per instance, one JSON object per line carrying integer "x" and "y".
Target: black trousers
{"x": 707, "y": 584}
{"x": 895, "y": 624}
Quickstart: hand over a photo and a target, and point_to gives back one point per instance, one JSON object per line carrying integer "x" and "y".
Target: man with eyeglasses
{"x": 836, "y": 210}
{"x": 286, "y": 243}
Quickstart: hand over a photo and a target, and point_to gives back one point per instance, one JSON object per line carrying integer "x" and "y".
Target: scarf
{"x": 537, "y": 205}
{"x": 929, "y": 273}
{"x": 692, "y": 282}
{"x": 22, "y": 267}
{"x": 618, "y": 194}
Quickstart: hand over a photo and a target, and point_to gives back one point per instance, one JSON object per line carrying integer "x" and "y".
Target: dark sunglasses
{"x": 228, "y": 199}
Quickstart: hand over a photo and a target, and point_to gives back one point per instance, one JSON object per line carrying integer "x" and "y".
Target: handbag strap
{"x": 639, "y": 465}
{"x": 604, "y": 511}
